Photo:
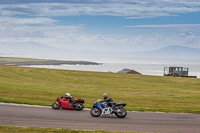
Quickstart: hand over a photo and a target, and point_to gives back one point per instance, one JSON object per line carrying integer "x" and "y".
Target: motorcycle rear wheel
{"x": 122, "y": 113}
{"x": 79, "y": 107}
{"x": 56, "y": 105}
{"x": 95, "y": 112}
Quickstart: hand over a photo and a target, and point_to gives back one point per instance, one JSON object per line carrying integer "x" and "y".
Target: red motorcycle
{"x": 65, "y": 103}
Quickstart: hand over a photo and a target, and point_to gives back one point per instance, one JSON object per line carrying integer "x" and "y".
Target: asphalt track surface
{"x": 38, "y": 116}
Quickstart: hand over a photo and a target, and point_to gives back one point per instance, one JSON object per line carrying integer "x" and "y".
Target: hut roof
{"x": 130, "y": 71}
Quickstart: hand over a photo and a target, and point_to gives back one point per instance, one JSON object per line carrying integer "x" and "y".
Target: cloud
{"x": 41, "y": 27}
{"x": 188, "y": 37}
{"x": 150, "y": 16}
{"x": 14, "y": 21}
{"x": 164, "y": 26}
{"x": 25, "y": 21}
{"x": 57, "y": 36}
{"x": 127, "y": 8}
{"x": 121, "y": 43}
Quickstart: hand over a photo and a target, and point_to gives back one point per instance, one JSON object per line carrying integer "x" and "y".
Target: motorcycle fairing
{"x": 65, "y": 104}
{"x": 100, "y": 105}
{"x": 79, "y": 101}
{"x": 121, "y": 104}
{"x": 106, "y": 111}
{"x": 97, "y": 105}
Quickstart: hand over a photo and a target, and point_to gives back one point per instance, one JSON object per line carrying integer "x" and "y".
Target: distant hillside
{"x": 176, "y": 52}
{"x": 31, "y": 49}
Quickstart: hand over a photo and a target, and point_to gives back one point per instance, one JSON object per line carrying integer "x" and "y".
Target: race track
{"x": 38, "y": 116}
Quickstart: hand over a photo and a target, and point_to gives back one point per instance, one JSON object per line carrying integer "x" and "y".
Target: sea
{"x": 145, "y": 66}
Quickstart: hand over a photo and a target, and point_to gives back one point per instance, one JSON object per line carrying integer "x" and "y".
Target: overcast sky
{"x": 101, "y": 25}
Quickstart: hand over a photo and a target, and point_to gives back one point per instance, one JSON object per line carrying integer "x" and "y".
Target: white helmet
{"x": 67, "y": 94}
{"x": 105, "y": 95}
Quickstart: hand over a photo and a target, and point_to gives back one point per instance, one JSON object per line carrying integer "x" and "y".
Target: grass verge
{"x": 12, "y": 129}
{"x": 40, "y": 86}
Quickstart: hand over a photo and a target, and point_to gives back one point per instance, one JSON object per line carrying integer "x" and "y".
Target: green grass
{"x": 10, "y": 59}
{"x": 11, "y": 129}
{"x": 30, "y": 61}
{"x": 40, "y": 86}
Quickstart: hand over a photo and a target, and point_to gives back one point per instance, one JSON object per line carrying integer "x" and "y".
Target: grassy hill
{"x": 30, "y": 61}
{"x": 144, "y": 93}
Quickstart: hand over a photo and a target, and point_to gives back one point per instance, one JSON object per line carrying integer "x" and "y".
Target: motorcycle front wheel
{"x": 56, "y": 105}
{"x": 95, "y": 112}
{"x": 121, "y": 113}
{"x": 79, "y": 107}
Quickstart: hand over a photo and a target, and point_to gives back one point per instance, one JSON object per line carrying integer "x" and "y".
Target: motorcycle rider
{"x": 109, "y": 101}
{"x": 71, "y": 99}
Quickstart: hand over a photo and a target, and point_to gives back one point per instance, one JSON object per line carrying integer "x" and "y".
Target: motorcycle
{"x": 65, "y": 103}
{"x": 103, "y": 109}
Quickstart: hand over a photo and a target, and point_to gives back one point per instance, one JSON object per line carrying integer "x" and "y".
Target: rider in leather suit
{"x": 68, "y": 96}
{"x": 109, "y": 101}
